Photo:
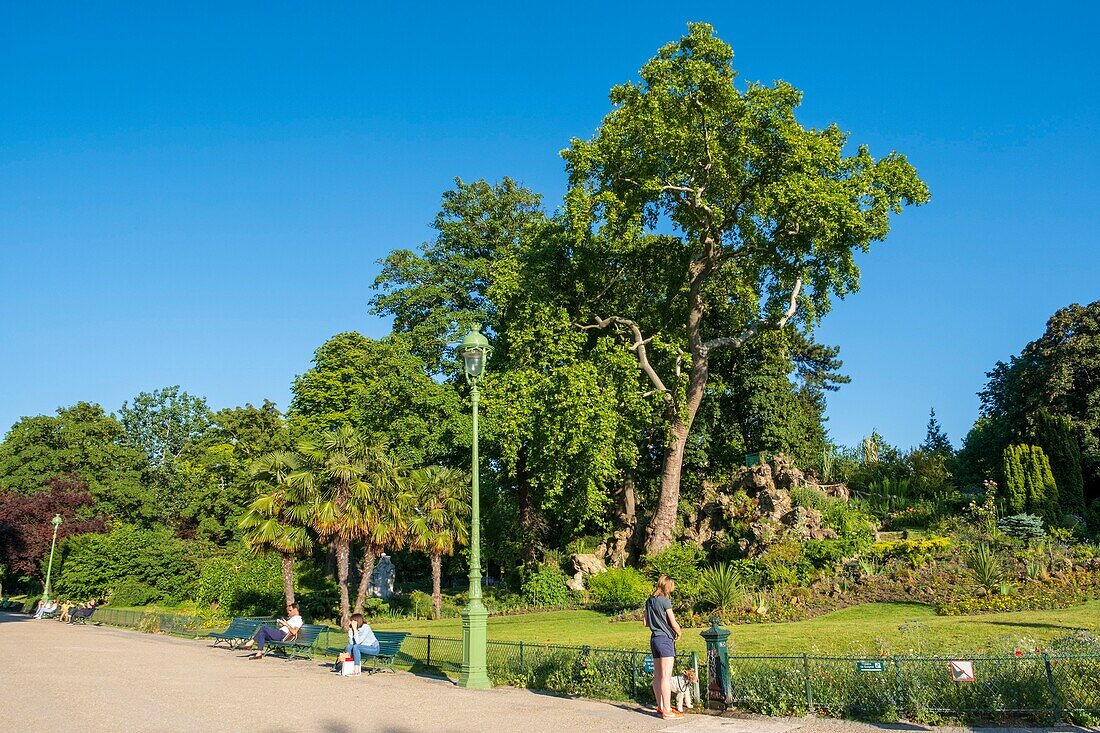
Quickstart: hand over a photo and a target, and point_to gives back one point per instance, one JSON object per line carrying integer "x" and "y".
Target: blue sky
{"x": 198, "y": 195}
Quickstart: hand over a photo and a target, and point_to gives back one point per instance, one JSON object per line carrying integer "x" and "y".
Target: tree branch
{"x": 637, "y": 345}
{"x": 759, "y": 325}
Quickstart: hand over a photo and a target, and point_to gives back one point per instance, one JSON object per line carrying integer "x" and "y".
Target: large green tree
{"x": 766, "y": 217}
{"x": 84, "y": 441}
{"x": 1057, "y": 374}
{"x": 439, "y": 521}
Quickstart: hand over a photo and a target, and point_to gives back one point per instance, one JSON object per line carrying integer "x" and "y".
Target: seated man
{"x": 287, "y": 630}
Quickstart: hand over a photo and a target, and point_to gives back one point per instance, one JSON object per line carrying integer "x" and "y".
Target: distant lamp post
{"x": 56, "y": 522}
{"x": 475, "y": 352}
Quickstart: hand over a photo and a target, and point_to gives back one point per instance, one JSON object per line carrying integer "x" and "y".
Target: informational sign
{"x": 870, "y": 665}
{"x": 647, "y": 664}
{"x": 962, "y": 671}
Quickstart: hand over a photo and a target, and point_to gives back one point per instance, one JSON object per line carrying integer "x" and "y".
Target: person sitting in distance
{"x": 287, "y": 630}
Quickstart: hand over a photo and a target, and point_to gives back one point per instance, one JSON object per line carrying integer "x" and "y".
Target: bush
{"x": 320, "y": 603}
{"x": 1022, "y": 526}
{"x": 619, "y": 589}
{"x": 679, "y": 562}
{"x": 132, "y": 592}
{"x": 986, "y": 568}
{"x": 720, "y": 588}
{"x": 545, "y": 586}
{"x": 92, "y": 564}
{"x": 242, "y": 584}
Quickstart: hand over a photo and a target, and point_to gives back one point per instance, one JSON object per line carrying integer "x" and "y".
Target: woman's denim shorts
{"x": 662, "y": 647}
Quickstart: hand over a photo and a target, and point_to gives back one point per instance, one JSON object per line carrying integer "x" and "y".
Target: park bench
{"x": 389, "y": 646}
{"x": 240, "y": 631}
{"x": 301, "y": 646}
{"x": 81, "y": 615}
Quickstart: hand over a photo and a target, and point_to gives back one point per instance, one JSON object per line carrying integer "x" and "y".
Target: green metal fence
{"x": 1039, "y": 686}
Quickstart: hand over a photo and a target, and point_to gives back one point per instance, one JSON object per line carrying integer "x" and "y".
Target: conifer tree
{"x": 935, "y": 439}
{"x": 1015, "y": 482}
{"x": 1053, "y": 433}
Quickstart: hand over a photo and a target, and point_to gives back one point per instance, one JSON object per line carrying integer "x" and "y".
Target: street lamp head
{"x": 475, "y": 350}
{"x": 56, "y": 521}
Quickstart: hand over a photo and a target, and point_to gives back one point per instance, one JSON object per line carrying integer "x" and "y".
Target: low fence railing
{"x": 1038, "y": 686}
{"x": 1041, "y": 686}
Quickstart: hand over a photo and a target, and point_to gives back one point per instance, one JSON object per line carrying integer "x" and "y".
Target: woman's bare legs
{"x": 662, "y": 681}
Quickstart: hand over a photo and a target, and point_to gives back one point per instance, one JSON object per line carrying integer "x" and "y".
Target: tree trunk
{"x": 621, "y": 545}
{"x": 661, "y": 526}
{"x": 366, "y": 569}
{"x": 288, "y": 577}
{"x": 437, "y": 593}
{"x": 343, "y": 559}
{"x": 526, "y": 510}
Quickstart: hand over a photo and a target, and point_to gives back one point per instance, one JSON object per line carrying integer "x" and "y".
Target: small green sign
{"x": 870, "y": 666}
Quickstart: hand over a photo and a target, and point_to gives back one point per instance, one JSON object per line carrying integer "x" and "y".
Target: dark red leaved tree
{"x": 25, "y": 528}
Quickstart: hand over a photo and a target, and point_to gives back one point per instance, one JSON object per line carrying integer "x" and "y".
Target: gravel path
{"x": 88, "y": 678}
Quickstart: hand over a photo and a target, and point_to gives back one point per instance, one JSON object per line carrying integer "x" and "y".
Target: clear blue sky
{"x": 199, "y": 195}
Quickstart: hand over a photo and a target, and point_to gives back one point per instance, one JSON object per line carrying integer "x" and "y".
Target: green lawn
{"x": 852, "y": 630}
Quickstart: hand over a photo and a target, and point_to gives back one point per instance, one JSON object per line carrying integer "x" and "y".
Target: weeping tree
{"x": 277, "y": 520}
{"x": 440, "y": 519}
{"x": 765, "y": 215}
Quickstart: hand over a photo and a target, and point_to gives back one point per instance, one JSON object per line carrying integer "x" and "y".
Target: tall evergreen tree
{"x": 935, "y": 439}
{"x": 1054, "y": 434}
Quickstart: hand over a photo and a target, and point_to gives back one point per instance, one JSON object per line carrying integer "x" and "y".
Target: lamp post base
{"x": 474, "y": 674}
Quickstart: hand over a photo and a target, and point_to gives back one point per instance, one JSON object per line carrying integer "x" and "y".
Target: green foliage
{"x": 85, "y": 441}
{"x": 1054, "y": 434}
{"x": 241, "y": 584}
{"x": 545, "y": 586}
{"x": 681, "y": 562}
{"x": 935, "y": 439}
{"x": 131, "y": 592}
{"x": 92, "y": 564}
{"x": 986, "y": 568}
{"x": 1030, "y": 484}
{"x": 1022, "y": 526}
{"x": 619, "y": 589}
{"x": 914, "y": 553}
{"x": 720, "y": 587}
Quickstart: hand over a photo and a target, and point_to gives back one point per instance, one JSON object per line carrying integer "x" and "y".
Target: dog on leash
{"x": 682, "y": 686}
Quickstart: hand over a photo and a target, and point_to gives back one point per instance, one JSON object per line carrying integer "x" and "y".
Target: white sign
{"x": 962, "y": 671}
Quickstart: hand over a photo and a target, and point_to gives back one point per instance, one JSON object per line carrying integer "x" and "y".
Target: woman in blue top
{"x": 361, "y": 640}
{"x": 664, "y": 631}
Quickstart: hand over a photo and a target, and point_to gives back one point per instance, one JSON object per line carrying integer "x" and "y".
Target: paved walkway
{"x": 60, "y": 677}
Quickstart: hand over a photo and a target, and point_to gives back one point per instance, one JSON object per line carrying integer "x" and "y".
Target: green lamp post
{"x": 56, "y": 522}
{"x": 475, "y": 352}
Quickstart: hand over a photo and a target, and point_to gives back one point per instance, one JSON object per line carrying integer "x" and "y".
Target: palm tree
{"x": 340, "y": 476}
{"x": 270, "y": 524}
{"x": 441, "y": 519}
{"x": 386, "y": 519}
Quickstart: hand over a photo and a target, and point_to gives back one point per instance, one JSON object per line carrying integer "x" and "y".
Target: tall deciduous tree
{"x": 84, "y": 441}
{"x": 767, "y": 216}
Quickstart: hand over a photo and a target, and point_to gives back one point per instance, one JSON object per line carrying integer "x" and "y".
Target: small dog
{"x": 682, "y": 686}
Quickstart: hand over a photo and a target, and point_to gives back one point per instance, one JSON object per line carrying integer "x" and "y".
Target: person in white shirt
{"x": 361, "y": 640}
{"x": 287, "y": 630}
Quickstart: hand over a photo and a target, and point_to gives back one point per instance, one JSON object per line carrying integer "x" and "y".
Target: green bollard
{"x": 718, "y": 664}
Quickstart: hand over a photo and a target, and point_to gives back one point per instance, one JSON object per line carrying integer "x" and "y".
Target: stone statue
{"x": 381, "y": 580}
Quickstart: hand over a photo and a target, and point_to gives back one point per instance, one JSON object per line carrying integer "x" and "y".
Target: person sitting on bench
{"x": 47, "y": 610}
{"x": 361, "y": 640}
{"x": 287, "y": 630}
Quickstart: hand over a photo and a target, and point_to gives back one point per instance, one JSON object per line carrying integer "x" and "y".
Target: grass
{"x": 869, "y": 628}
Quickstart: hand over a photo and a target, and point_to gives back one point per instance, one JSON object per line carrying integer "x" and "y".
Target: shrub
{"x": 92, "y": 564}
{"x": 986, "y": 568}
{"x": 619, "y": 589}
{"x": 545, "y": 586}
{"x": 679, "y": 562}
{"x": 319, "y": 603}
{"x": 241, "y": 584}
{"x": 915, "y": 553}
{"x": 720, "y": 588}
{"x": 1022, "y": 526}
{"x": 132, "y": 592}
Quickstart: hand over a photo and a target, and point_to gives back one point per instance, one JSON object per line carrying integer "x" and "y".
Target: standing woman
{"x": 664, "y": 631}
